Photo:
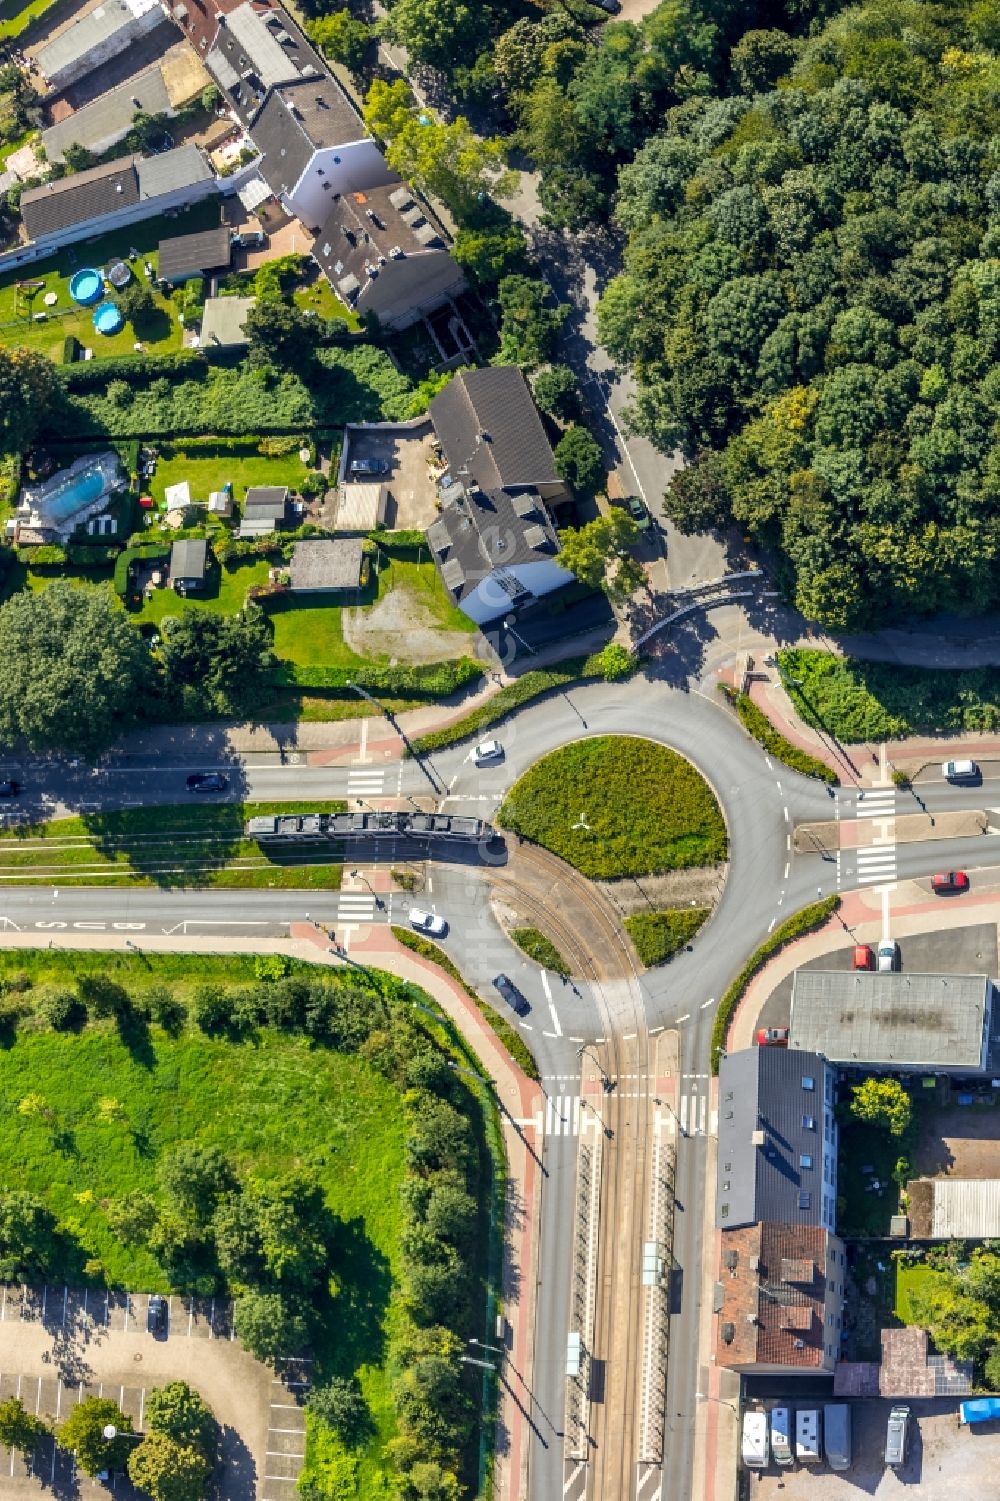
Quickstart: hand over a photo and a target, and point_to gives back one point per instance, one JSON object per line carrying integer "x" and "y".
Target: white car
{"x": 887, "y": 957}
{"x": 427, "y": 922}
{"x": 959, "y": 771}
{"x": 487, "y": 751}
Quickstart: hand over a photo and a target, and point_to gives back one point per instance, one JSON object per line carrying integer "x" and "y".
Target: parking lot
{"x": 412, "y": 493}
{"x": 59, "y": 1345}
{"x": 944, "y": 1460}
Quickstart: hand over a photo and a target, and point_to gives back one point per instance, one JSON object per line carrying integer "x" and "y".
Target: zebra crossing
{"x": 365, "y": 781}
{"x": 876, "y": 863}
{"x": 563, "y": 1114}
{"x": 692, "y": 1113}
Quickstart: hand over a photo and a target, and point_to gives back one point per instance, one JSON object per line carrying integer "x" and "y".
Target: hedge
{"x": 658, "y": 935}
{"x": 527, "y": 688}
{"x": 71, "y": 349}
{"x": 399, "y": 544}
{"x": 49, "y": 555}
{"x": 510, "y": 1039}
{"x": 101, "y": 556}
{"x": 757, "y": 724}
{"x": 544, "y": 952}
{"x": 149, "y": 550}
{"x": 92, "y": 375}
{"x": 423, "y": 679}
{"x": 800, "y": 923}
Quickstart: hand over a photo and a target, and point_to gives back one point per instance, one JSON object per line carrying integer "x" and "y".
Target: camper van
{"x": 781, "y": 1435}
{"x": 808, "y": 1443}
{"x": 755, "y": 1446}
{"x": 896, "y": 1436}
{"x": 837, "y": 1435}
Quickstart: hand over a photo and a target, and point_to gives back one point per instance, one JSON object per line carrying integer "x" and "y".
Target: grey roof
{"x": 298, "y": 120}
{"x": 495, "y": 406}
{"x": 326, "y": 563}
{"x": 483, "y": 533}
{"x": 183, "y": 256}
{"x": 761, "y": 1091}
{"x": 374, "y": 258}
{"x": 178, "y": 168}
{"x": 965, "y": 1208}
{"x": 81, "y": 197}
{"x": 189, "y": 558}
{"x": 87, "y": 32}
{"x": 99, "y": 124}
{"x": 897, "y": 1020}
{"x": 269, "y": 498}
{"x": 223, "y": 320}
{"x": 259, "y": 44}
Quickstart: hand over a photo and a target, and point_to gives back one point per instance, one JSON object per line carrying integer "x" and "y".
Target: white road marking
{"x": 685, "y": 1018}
{"x": 705, "y": 1004}
{"x": 787, "y": 869}
{"x": 552, "y": 1009}
{"x": 771, "y": 923}
{"x": 787, "y": 819}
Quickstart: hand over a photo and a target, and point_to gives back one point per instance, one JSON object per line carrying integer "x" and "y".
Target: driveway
{"x": 58, "y": 1346}
{"x": 412, "y": 493}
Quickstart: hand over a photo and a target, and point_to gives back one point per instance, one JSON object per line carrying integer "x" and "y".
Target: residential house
{"x": 98, "y": 35}
{"x": 185, "y": 257}
{"x": 189, "y": 565}
{"x": 491, "y": 434}
{"x": 118, "y": 193}
{"x": 265, "y": 509}
{"x": 782, "y": 1296}
{"x": 106, "y": 120}
{"x": 907, "y": 1369}
{"x": 384, "y": 253}
{"x": 322, "y": 565}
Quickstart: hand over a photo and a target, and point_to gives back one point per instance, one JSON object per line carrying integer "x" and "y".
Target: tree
{"x": 78, "y": 158}
{"x": 132, "y": 1218}
{"x": 760, "y": 58}
{"x": 268, "y": 1325}
{"x": 528, "y": 324}
{"x": 491, "y": 252}
{"x": 74, "y": 671}
{"x": 167, "y": 1470}
{"x": 429, "y": 1481}
{"x": 557, "y": 392}
{"x": 339, "y": 1403}
{"x": 135, "y": 303}
{"x": 884, "y": 1103}
{"x": 29, "y": 397}
{"x": 182, "y": 1414}
{"x": 598, "y": 554}
{"x": 579, "y": 461}
{"x": 436, "y": 33}
{"x": 991, "y": 1369}
{"x": 83, "y": 1434}
{"x": 274, "y": 1231}
{"x": 194, "y": 1178}
{"x": 341, "y": 37}
{"x": 27, "y": 1235}
{"x": 220, "y": 663}
{"x": 211, "y": 95}
{"x": 19, "y": 1428}
{"x": 103, "y": 997}
{"x": 696, "y": 499}
{"x": 280, "y": 334}
{"x": 959, "y": 1306}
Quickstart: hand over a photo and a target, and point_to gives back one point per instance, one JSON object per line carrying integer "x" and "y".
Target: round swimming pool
{"x": 86, "y": 286}
{"x": 107, "y": 318}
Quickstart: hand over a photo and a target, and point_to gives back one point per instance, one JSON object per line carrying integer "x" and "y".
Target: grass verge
{"x": 541, "y": 949}
{"x": 163, "y": 846}
{"x": 657, "y": 936}
{"x": 759, "y": 727}
{"x": 618, "y": 806}
{"x": 510, "y": 1039}
{"x": 855, "y": 700}
{"x": 911, "y": 1276}
{"x": 804, "y": 921}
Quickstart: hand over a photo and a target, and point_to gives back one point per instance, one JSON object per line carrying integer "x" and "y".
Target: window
{"x": 727, "y": 1185}
{"x": 808, "y": 1082}
{"x": 724, "y": 1212}
{"x": 805, "y": 1160}
{"x": 805, "y": 1199}
{"x": 729, "y": 1096}
{"x": 808, "y": 1123}
{"x": 729, "y": 1115}
{"x": 728, "y": 1167}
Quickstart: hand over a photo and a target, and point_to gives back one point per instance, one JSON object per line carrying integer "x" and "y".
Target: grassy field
{"x": 658, "y": 935}
{"x": 618, "y": 806}
{"x": 163, "y": 846}
{"x": 161, "y": 335}
{"x": 17, "y": 15}
{"x": 320, "y": 298}
{"x": 910, "y": 1276}
{"x": 208, "y": 471}
{"x": 856, "y": 701}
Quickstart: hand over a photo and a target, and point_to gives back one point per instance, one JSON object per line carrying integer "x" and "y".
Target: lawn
{"x": 319, "y": 297}
{"x": 225, "y": 592}
{"x": 17, "y": 15}
{"x": 163, "y": 333}
{"x": 206, "y": 470}
{"x": 164, "y": 846}
{"x": 618, "y": 806}
{"x": 909, "y": 1276}
{"x": 862, "y": 1210}
{"x": 658, "y": 935}
{"x": 857, "y": 701}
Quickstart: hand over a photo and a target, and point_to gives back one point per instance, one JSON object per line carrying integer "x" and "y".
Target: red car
{"x": 772, "y": 1037}
{"x": 863, "y": 956}
{"x": 949, "y": 881}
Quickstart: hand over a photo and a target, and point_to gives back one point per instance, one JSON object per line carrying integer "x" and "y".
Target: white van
{"x": 808, "y": 1443}
{"x": 896, "y": 1436}
{"x": 959, "y": 771}
{"x": 756, "y": 1451}
{"x": 781, "y": 1435}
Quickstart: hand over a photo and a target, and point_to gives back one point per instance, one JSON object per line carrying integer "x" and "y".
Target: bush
{"x": 83, "y": 556}
{"x": 71, "y": 349}
{"x": 63, "y": 1010}
{"x": 211, "y": 1009}
{"x": 579, "y": 461}
{"x": 423, "y": 679}
{"x": 616, "y": 662}
{"x": 510, "y": 1039}
{"x": 658, "y": 935}
{"x": 541, "y": 949}
{"x": 796, "y": 926}
{"x": 757, "y": 724}
{"x": 49, "y": 555}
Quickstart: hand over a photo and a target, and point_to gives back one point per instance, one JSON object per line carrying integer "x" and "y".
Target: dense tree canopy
{"x": 29, "y": 393}
{"x": 812, "y": 287}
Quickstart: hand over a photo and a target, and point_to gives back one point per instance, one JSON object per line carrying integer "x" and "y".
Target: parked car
{"x": 248, "y": 239}
{"x": 897, "y": 1433}
{"x": 639, "y": 514}
{"x": 772, "y": 1037}
{"x": 511, "y": 995}
{"x": 960, "y": 771}
{"x": 156, "y": 1315}
{"x": 948, "y": 881}
{"x": 9, "y": 788}
{"x": 369, "y": 466}
{"x": 207, "y": 781}
{"x": 427, "y": 922}
{"x": 487, "y": 751}
{"x": 863, "y": 956}
{"x": 888, "y": 956}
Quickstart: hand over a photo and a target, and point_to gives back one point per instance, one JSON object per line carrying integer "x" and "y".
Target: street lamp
{"x": 666, "y": 1105}
{"x": 586, "y": 1105}
{"x": 111, "y": 1432}
{"x": 606, "y": 1083}
{"x": 357, "y": 876}
{"x": 468, "y": 1072}
{"x": 706, "y": 1397}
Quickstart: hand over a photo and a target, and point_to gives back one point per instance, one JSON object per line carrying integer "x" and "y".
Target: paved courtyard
{"x": 59, "y": 1345}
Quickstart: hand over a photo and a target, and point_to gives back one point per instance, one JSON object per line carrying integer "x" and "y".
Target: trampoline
{"x": 86, "y": 286}
{"x": 107, "y": 318}
{"x": 119, "y": 274}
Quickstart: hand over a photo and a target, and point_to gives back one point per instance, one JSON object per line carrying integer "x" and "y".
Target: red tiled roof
{"x": 773, "y": 1312}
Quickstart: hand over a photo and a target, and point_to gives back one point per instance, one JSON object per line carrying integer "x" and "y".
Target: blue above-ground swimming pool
{"x": 107, "y": 318}
{"x": 86, "y": 286}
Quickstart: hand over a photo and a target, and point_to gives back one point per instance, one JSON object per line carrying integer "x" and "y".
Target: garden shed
{"x": 326, "y": 565}
{"x": 189, "y": 565}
